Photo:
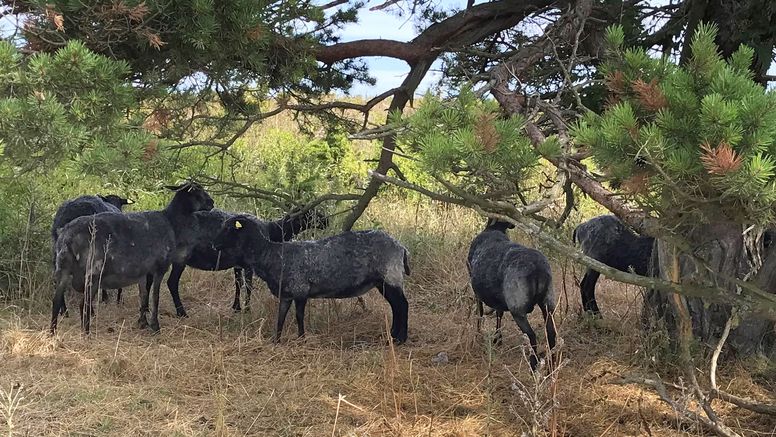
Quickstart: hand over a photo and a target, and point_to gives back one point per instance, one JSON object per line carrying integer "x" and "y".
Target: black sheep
{"x": 606, "y": 239}
{"x": 345, "y": 265}
{"x": 115, "y": 250}
{"x": 508, "y": 276}
{"x": 82, "y": 206}
{"x": 205, "y": 257}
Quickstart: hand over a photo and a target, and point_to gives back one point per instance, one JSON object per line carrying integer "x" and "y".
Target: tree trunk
{"x": 723, "y": 250}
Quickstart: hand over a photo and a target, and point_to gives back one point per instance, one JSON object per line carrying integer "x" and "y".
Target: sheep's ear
{"x": 130, "y": 201}
{"x": 237, "y": 224}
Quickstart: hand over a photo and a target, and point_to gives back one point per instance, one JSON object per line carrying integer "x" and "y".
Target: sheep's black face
{"x": 116, "y": 201}
{"x": 231, "y": 234}
{"x": 499, "y": 225}
{"x": 193, "y": 197}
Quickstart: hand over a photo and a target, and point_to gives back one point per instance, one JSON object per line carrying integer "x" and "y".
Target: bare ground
{"x": 216, "y": 373}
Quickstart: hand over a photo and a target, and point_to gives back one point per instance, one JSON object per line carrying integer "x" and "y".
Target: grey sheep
{"x": 82, "y": 206}
{"x": 205, "y": 257}
{"x": 115, "y": 250}
{"x": 342, "y": 266}
{"x": 507, "y": 276}
{"x": 606, "y": 239}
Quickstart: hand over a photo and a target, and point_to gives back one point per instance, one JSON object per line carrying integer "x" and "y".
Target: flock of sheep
{"x": 97, "y": 246}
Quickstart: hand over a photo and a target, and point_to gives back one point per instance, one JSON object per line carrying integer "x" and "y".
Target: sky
{"x": 384, "y": 25}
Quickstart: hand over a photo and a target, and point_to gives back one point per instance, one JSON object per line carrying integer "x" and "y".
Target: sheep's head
{"x": 115, "y": 200}
{"x": 191, "y": 197}
{"x": 499, "y": 225}
{"x": 240, "y": 231}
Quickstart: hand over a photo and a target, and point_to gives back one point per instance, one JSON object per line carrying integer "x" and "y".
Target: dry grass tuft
{"x": 216, "y": 373}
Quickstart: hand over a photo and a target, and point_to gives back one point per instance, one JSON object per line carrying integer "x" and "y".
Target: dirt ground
{"x": 217, "y": 373}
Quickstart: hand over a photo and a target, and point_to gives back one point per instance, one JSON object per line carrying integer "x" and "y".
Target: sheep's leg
{"x": 63, "y": 310}
{"x": 248, "y": 287}
{"x": 173, "y": 282}
{"x": 522, "y": 322}
{"x": 299, "y": 305}
{"x": 497, "y": 337}
{"x": 84, "y": 322}
{"x": 238, "y": 284}
{"x": 104, "y": 296}
{"x": 87, "y": 304}
{"x": 58, "y": 302}
{"x": 285, "y": 304}
{"x": 154, "y": 322}
{"x": 549, "y": 326}
{"x": 118, "y": 296}
{"x": 399, "y": 310}
{"x": 480, "y": 314}
{"x": 144, "y": 286}
{"x": 587, "y": 287}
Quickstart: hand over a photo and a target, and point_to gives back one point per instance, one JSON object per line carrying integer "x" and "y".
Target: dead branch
{"x": 687, "y": 415}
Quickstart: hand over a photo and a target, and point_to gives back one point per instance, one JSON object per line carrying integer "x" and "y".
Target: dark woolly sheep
{"x": 115, "y": 250}
{"x": 342, "y": 266}
{"x": 507, "y": 276}
{"x": 83, "y": 206}
{"x": 205, "y": 257}
{"x": 606, "y": 239}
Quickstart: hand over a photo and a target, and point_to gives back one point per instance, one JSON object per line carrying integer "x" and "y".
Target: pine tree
{"x": 58, "y": 105}
{"x": 700, "y": 139}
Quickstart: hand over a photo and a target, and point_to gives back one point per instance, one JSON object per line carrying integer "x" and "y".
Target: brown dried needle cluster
{"x": 649, "y": 95}
{"x": 486, "y": 133}
{"x": 720, "y": 160}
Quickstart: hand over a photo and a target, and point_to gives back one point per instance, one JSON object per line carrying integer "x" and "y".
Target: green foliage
{"x": 697, "y": 141}
{"x": 56, "y": 105}
{"x": 297, "y": 166}
{"x": 466, "y": 138}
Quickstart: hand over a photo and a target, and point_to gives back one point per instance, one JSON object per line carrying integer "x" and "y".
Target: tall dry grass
{"x": 217, "y": 373}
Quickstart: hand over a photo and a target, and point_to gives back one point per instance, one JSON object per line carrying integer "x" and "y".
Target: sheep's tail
{"x": 406, "y": 261}
{"x": 574, "y": 235}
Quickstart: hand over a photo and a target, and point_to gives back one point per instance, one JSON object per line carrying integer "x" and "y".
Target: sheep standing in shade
{"x": 205, "y": 257}
{"x": 507, "y": 276}
{"x": 116, "y": 250}
{"x": 606, "y": 239}
{"x": 83, "y": 206}
{"x": 342, "y": 266}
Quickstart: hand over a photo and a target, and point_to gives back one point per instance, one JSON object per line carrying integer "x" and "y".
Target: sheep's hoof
{"x": 180, "y": 312}
{"x": 142, "y": 322}
{"x": 155, "y": 329}
{"x": 398, "y": 341}
{"x": 593, "y": 314}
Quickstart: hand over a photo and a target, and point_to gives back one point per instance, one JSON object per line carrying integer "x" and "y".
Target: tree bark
{"x": 720, "y": 246}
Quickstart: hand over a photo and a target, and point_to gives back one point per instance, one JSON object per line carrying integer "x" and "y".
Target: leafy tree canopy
{"x": 65, "y": 103}
{"x": 691, "y": 143}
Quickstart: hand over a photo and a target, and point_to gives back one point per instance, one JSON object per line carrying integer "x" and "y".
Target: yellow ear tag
{"x": 237, "y": 224}
{"x": 130, "y": 201}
